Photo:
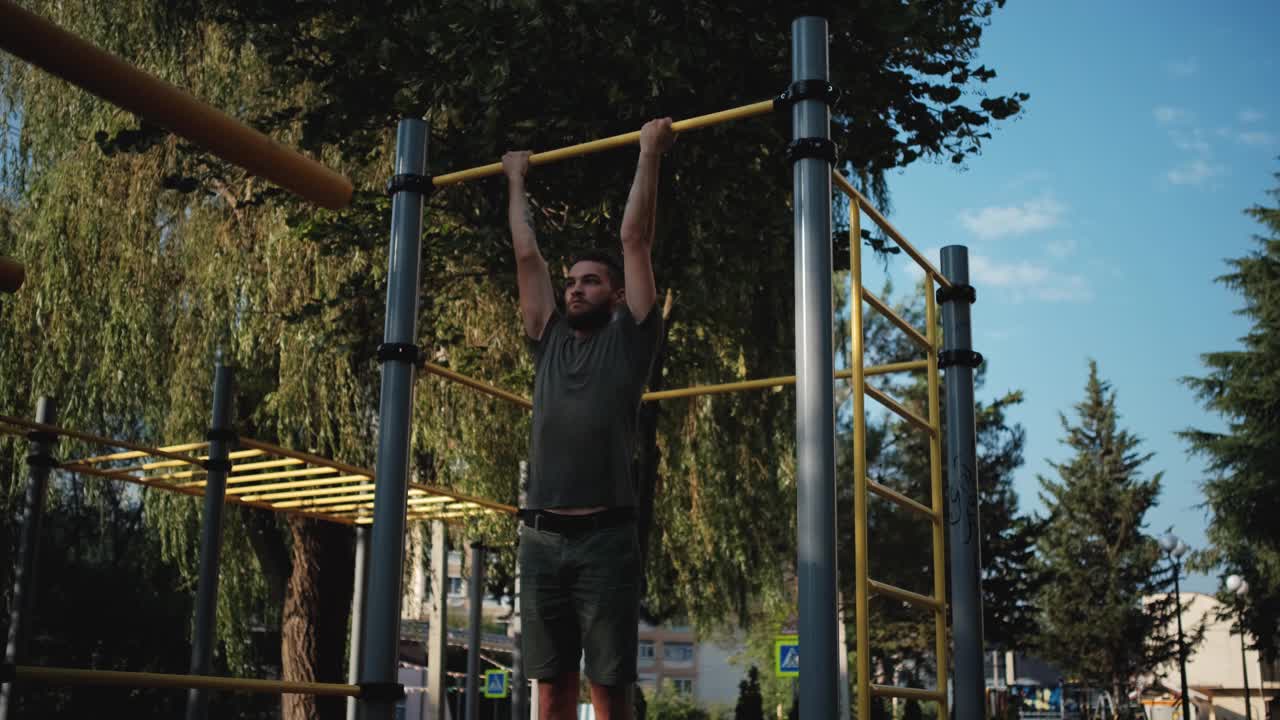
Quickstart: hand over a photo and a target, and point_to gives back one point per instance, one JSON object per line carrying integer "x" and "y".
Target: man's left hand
{"x": 657, "y": 137}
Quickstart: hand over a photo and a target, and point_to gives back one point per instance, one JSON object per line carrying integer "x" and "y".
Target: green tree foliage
{"x": 1103, "y": 621}
{"x": 750, "y": 705}
{"x": 146, "y": 255}
{"x": 1243, "y": 387}
{"x": 668, "y": 704}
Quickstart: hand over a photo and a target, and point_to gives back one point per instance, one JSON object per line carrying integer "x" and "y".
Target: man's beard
{"x": 591, "y": 320}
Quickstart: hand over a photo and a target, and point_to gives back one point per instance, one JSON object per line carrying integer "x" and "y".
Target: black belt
{"x": 562, "y": 524}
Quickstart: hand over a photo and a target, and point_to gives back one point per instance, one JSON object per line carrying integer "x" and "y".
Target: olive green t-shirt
{"x": 586, "y": 398}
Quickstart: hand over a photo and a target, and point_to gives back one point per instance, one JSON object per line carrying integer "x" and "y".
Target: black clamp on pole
{"x": 381, "y": 691}
{"x": 807, "y": 90}
{"x": 961, "y": 358}
{"x": 813, "y": 147}
{"x": 410, "y": 182}
{"x": 42, "y": 436}
{"x": 41, "y": 460}
{"x": 401, "y": 352}
{"x": 956, "y": 292}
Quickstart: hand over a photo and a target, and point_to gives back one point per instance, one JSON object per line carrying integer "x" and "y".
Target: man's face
{"x": 588, "y": 292}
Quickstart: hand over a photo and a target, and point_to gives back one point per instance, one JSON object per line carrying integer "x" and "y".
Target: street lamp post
{"x": 1238, "y": 586}
{"x": 1176, "y": 549}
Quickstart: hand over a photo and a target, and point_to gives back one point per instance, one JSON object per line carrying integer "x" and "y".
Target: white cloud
{"x": 1168, "y": 115}
{"x": 1248, "y": 116}
{"x": 1256, "y": 137}
{"x": 1027, "y": 278}
{"x": 1193, "y": 141}
{"x": 1001, "y": 221}
{"x": 1185, "y": 67}
{"x": 1061, "y": 248}
{"x": 1195, "y": 172}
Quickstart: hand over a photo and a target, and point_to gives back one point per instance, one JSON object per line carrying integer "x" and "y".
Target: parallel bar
{"x": 936, "y": 495}
{"x": 115, "y": 678}
{"x": 889, "y": 493}
{"x": 815, "y": 406}
{"x": 887, "y": 368}
{"x": 313, "y": 492}
{"x": 478, "y": 385}
{"x": 909, "y": 693}
{"x": 135, "y": 454}
{"x": 899, "y": 410}
{"x": 861, "y": 201}
{"x": 95, "y": 439}
{"x": 292, "y": 484}
{"x": 779, "y": 381}
{"x": 57, "y": 51}
{"x": 256, "y": 477}
{"x": 237, "y": 455}
{"x": 695, "y": 123}
{"x": 896, "y": 319}
{"x": 906, "y": 596}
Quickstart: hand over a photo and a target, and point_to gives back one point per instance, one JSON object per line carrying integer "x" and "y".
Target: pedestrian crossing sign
{"x": 495, "y": 684}
{"x": 786, "y": 656}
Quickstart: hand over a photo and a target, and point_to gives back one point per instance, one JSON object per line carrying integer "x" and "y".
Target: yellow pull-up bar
{"x": 763, "y": 107}
{"x": 61, "y": 53}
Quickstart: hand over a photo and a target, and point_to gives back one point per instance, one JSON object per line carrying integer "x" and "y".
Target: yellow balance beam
{"x": 695, "y": 123}
{"x": 61, "y": 53}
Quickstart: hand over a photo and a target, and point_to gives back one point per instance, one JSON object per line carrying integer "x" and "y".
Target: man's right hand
{"x": 515, "y": 164}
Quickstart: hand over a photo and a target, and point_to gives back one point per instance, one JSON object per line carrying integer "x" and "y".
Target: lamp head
{"x": 1168, "y": 542}
{"x": 1180, "y": 550}
{"x": 1234, "y": 583}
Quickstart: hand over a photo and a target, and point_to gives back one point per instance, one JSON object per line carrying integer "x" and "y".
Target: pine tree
{"x": 1100, "y": 624}
{"x": 1243, "y": 490}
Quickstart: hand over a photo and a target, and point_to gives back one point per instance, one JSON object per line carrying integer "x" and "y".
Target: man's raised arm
{"x": 537, "y": 299}
{"x": 640, "y": 218}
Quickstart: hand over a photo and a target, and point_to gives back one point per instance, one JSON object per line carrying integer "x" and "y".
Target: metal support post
{"x": 360, "y": 587}
{"x": 215, "y": 490}
{"x": 381, "y": 636}
{"x": 475, "y": 593}
{"x": 815, "y": 411}
{"x": 519, "y": 686}
{"x": 41, "y": 462}
{"x": 962, "y": 493}
{"x": 438, "y": 624}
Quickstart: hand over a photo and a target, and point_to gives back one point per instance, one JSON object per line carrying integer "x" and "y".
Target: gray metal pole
{"x": 381, "y": 636}
{"x": 438, "y": 624}
{"x": 215, "y": 490}
{"x": 475, "y": 592}
{"x": 519, "y": 687}
{"x": 815, "y": 411}
{"x": 360, "y": 588}
{"x": 962, "y": 476}
{"x": 41, "y": 462}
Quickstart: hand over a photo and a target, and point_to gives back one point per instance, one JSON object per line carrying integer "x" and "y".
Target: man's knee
{"x": 558, "y": 697}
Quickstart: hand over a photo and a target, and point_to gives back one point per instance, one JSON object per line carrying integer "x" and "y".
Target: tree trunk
{"x": 316, "y": 608}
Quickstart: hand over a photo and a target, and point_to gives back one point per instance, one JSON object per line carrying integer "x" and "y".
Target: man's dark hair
{"x": 609, "y": 259}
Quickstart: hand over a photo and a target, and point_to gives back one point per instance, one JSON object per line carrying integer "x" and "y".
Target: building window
{"x": 644, "y": 651}
{"x": 677, "y": 651}
{"x": 455, "y": 586}
{"x": 682, "y": 686}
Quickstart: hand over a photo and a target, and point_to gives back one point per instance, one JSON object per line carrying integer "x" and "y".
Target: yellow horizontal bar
{"x": 95, "y": 439}
{"x": 909, "y": 366}
{"x": 278, "y": 475}
{"x": 356, "y": 507}
{"x": 245, "y": 490}
{"x": 134, "y": 454}
{"x": 478, "y": 385}
{"x": 312, "y": 492}
{"x": 889, "y": 493}
{"x": 908, "y": 693}
{"x": 899, "y": 410}
{"x": 906, "y": 596}
{"x": 695, "y": 123}
{"x": 896, "y": 319}
{"x": 866, "y": 206}
{"x": 236, "y": 455}
{"x": 115, "y": 678}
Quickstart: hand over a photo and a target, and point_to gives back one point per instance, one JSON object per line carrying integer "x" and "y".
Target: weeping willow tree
{"x": 147, "y": 256}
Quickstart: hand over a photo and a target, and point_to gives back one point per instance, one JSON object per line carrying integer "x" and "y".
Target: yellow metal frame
{"x": 864, "y": 586}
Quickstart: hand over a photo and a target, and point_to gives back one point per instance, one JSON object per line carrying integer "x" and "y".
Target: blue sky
{"x": 1098, "y": 220}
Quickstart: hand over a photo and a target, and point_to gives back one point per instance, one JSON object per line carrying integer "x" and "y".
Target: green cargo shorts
{"x": 580, "y": 596}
